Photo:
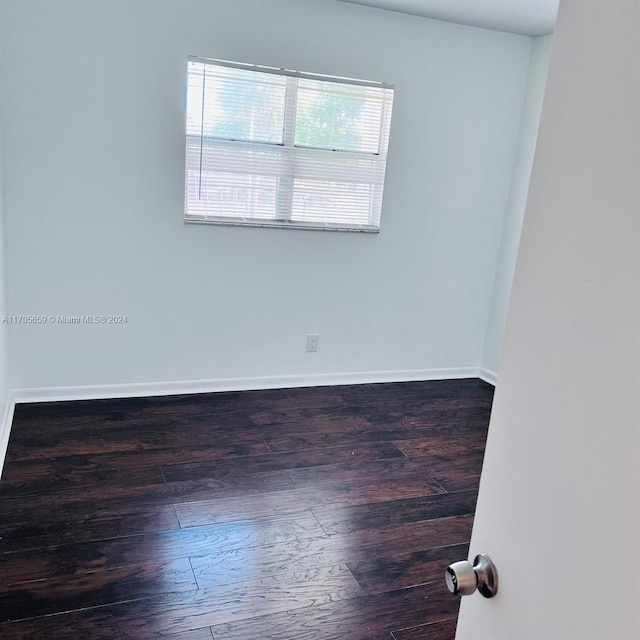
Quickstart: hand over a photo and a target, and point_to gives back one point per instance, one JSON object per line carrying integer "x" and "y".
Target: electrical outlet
{"x": 312, "y": 342}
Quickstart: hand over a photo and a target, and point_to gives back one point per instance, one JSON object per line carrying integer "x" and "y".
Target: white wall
{"x": 559, "y": 503}
{"x": 5, "y": 409}
{"x": 514, "y": 216}
{"x": 93, "y": 155}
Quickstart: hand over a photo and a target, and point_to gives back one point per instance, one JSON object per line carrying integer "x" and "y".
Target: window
{"x": 271, "y": 147}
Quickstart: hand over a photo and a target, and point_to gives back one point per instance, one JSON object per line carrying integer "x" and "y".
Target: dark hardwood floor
{"x": 298, "y": 514}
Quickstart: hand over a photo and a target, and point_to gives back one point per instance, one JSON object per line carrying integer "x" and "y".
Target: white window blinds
{"x": 272, "y": 147}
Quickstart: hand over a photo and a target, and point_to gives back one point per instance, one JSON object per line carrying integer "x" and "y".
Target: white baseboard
{"x": 5, "y": 427}
{"x": 488, "y": 376}
{"x": 130, "y": 390}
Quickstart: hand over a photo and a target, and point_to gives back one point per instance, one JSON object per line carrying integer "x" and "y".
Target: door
{"x": 559, "y": 503}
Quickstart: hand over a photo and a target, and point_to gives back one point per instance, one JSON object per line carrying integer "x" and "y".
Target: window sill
{"x": 279, "y": 224}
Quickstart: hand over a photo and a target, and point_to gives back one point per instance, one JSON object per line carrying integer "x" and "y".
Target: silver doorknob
{"x": 463, "y": 578}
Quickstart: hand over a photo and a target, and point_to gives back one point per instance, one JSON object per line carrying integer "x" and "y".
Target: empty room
{"x": 319, "y": 319}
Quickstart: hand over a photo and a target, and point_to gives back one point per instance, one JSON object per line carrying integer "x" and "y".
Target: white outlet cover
{"x": 312, "y": 342}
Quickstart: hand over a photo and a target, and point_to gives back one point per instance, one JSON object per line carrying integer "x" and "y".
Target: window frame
{"x": 285, "y": 193}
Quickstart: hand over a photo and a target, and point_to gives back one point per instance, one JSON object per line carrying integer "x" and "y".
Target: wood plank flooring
{"x": 298, "y": 514}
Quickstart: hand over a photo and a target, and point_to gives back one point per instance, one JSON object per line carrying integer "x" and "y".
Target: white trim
{"x": 278, "y": 223}
{"x": 5, "y": 427}
{"x": 142, "y": 389}
{"x": 137, "y": 389}
{"x": 488, "y": 376}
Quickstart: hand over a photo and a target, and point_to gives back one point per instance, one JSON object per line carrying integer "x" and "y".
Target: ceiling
{"x": 527, "y": 17}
